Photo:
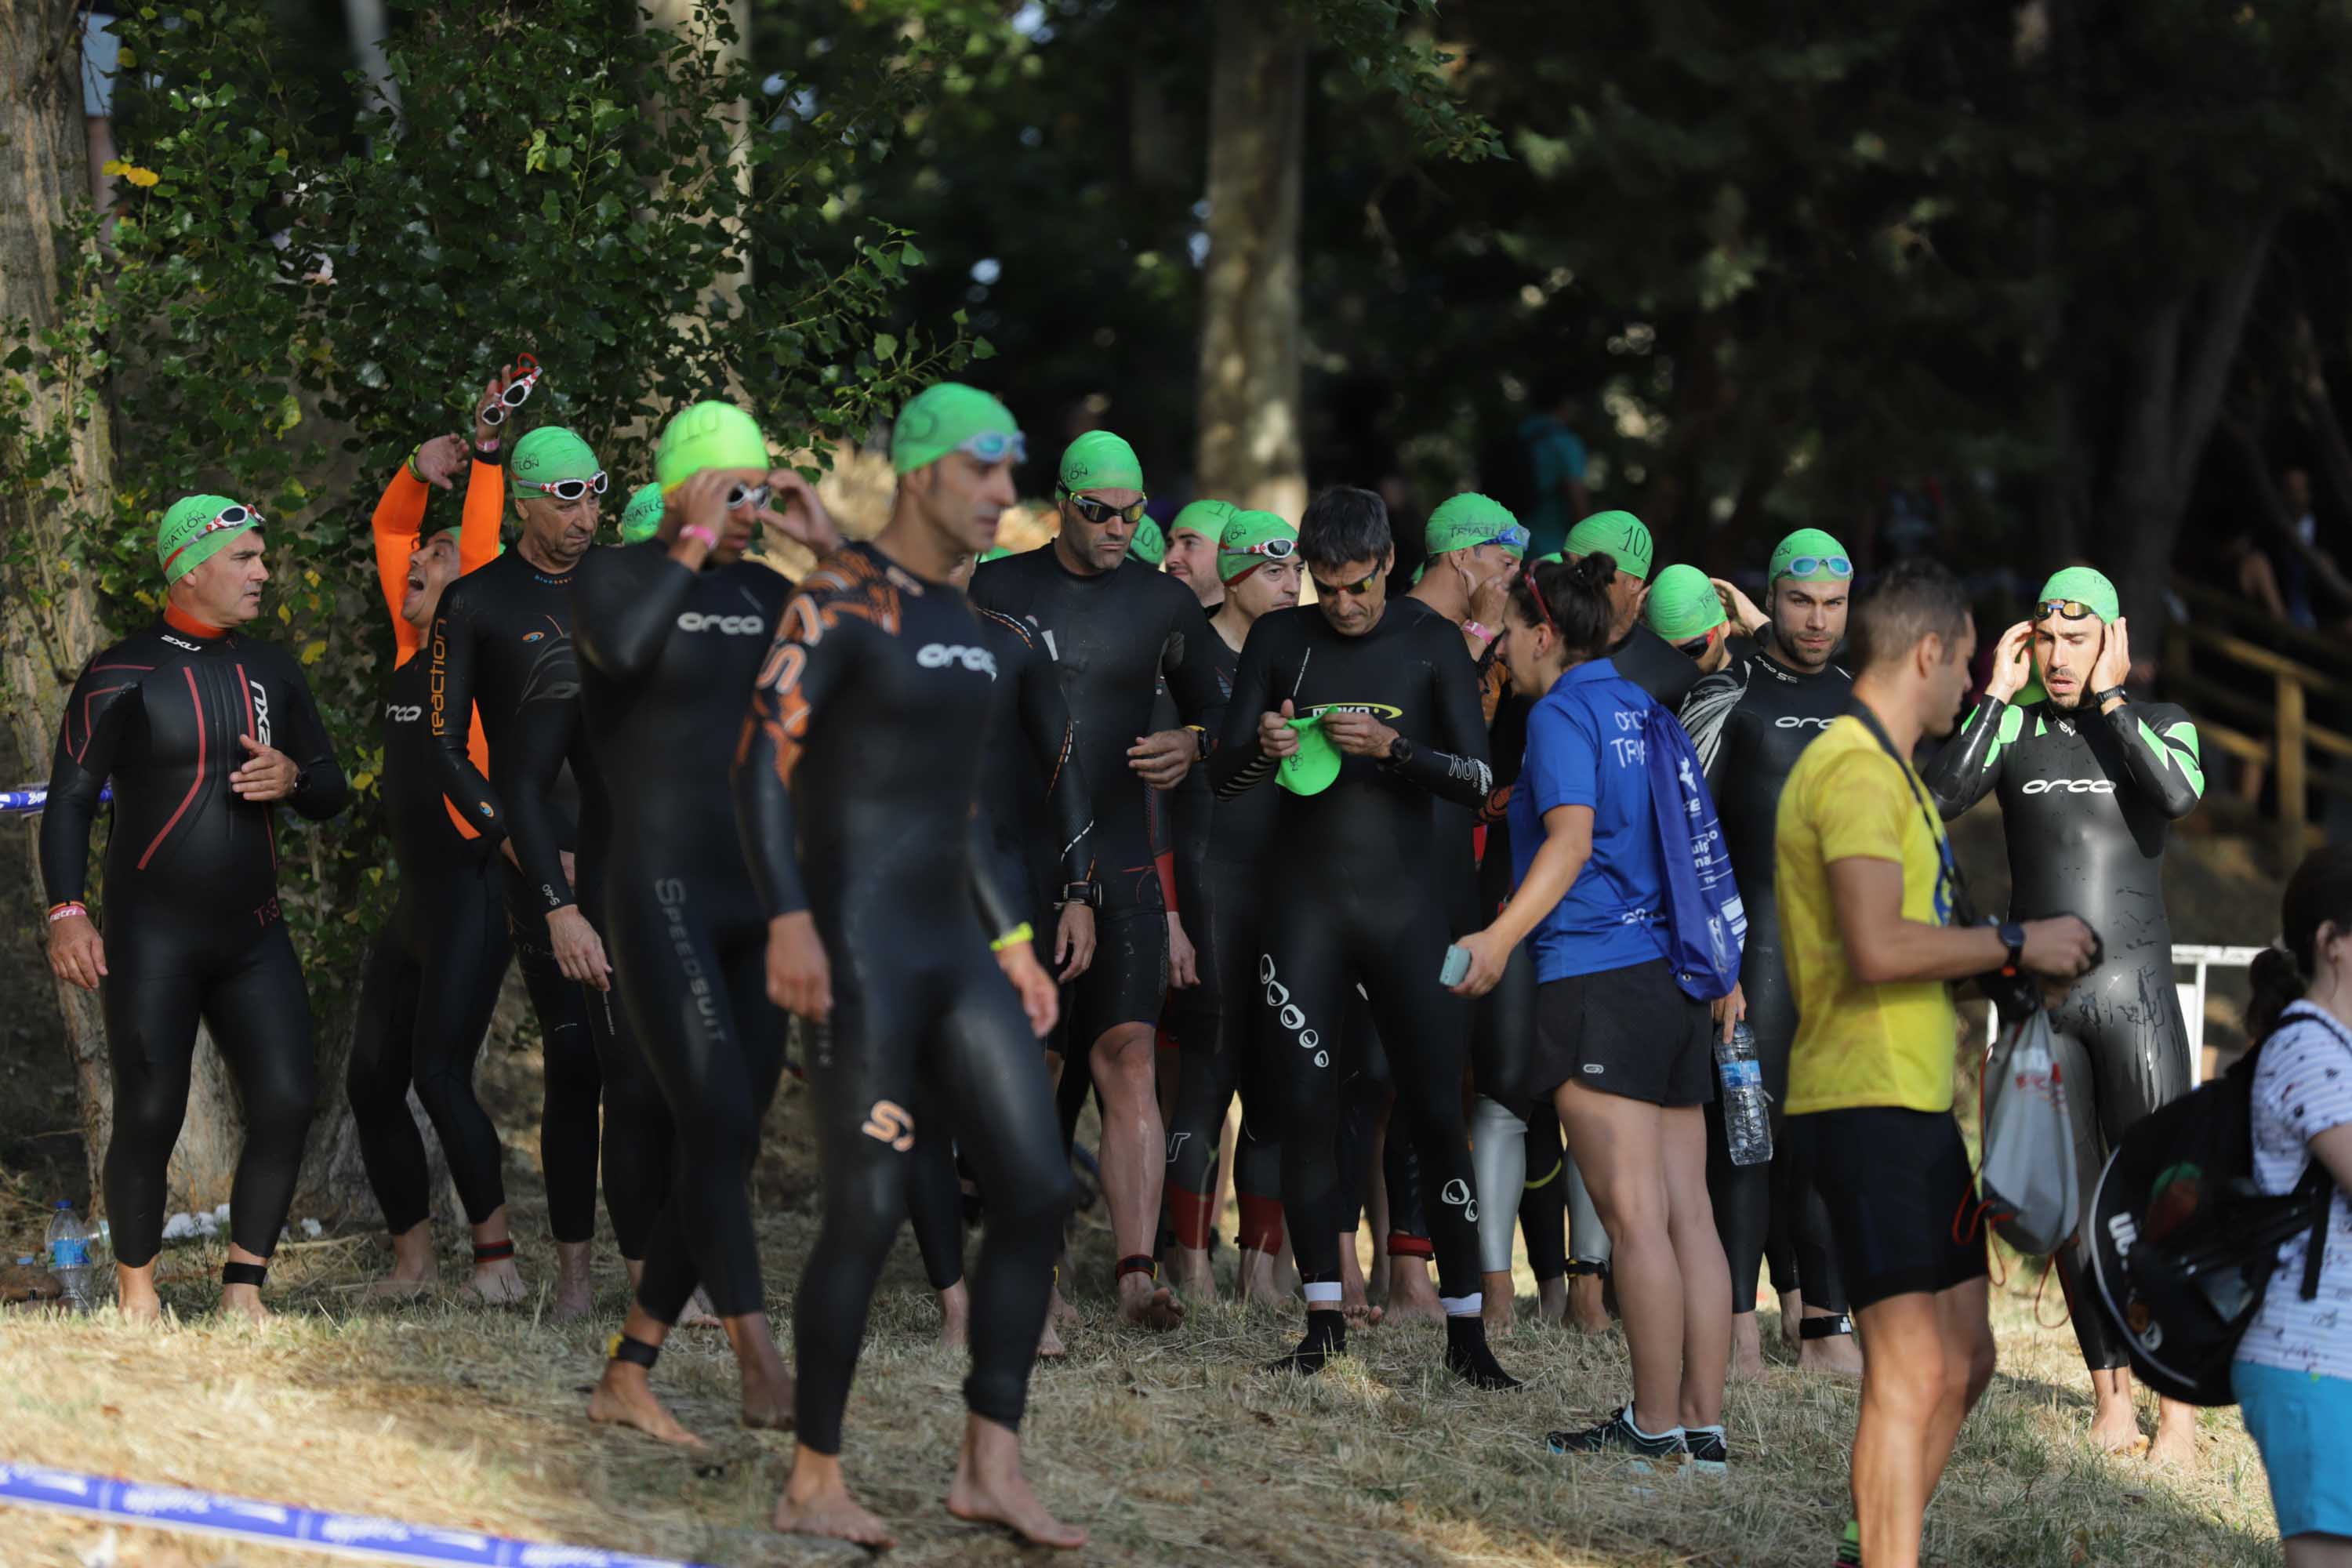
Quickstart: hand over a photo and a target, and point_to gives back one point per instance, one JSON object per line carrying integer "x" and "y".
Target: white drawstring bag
{"x": 2029, "y": 1184}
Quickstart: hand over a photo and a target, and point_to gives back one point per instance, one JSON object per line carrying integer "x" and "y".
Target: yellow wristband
{"x": 1017, "y": 935}
{"x": 412, "y": 462}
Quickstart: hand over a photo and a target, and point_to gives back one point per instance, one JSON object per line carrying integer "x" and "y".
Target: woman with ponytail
{"x": 1622, "y": 1052}
{"x": 2292, "y": 1374}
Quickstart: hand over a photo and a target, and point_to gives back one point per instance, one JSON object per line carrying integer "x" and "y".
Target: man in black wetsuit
{"x": 2088, "y": 781}
{"x": 670, "y": 633}
{"x": 501, "y": 644}
{"x": 1749, "y": 722}
{"x": 1116, "y": 628}
{"x": 1191, "y": 556}
{"x": 205, "y": 733}
{"x": 855, "y": 785}
{"x": 1641, "y": 655}
{"x": 1372, "y": 899}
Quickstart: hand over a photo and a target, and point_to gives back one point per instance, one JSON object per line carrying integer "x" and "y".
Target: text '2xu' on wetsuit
{"x": 1113, "y": 636}
{"x": 502, "y": 644}
{"x": 1749, "y": 722}
{"x": 1373, "y": 900}
{"x": 2085, "y": 800}
{"x": 192, "y": 927}
{"x": 667, "y": 660}
{"x": 855, "y": 784}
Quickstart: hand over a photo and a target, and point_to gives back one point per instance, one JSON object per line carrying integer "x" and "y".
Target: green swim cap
{"x": 2083, "y": 585}
{"x": 1682, "y": 605}
{"x": 1809, "y": 544}
{"x": 1469, "y": 520}
{"x": 1556, "y": 558}
{"x": 644, "y": 516}
{"x": 1239, "y": 551}
{"x": 946, "y": 415}
{"x": 546, "y": 454}
{"x": 1099, "y": 460}
{"x": 1148, "y": 546}
{"x": 1617, "y": 533}
{"x": 1311, "y": 768}
{"x": 187, "y": 538}
{"x": 1207, "y": 518}
{"x": 999, "y": 554}
{"x": 707, "y": 435}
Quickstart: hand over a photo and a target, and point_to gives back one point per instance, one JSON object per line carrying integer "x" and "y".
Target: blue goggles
{"x": 1803, "y": 566}
{"x": 995, "y": 446}
{"x": 1515, "y": 537}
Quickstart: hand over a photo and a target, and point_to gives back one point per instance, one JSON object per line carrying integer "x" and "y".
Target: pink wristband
{"x": 66, "y": 911}
{"x": 697, "y": 531}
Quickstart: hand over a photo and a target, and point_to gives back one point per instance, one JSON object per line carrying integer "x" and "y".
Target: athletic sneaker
{"x": 1618, "y": 1435}
{"x": 1710, "y": 1455}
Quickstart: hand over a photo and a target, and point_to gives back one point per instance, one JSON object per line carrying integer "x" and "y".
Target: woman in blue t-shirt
{"x": 1624, "y": 1052}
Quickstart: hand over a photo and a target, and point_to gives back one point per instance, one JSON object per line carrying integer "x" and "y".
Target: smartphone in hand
{"x": 1456, "y": 966}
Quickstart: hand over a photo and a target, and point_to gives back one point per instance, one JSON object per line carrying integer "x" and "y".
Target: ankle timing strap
{"x": 1583, "y": 1268}
{"x": 1138, "y": 1263}
{"x": 1824, "y": 1327}
{"x": 251, "y": 1274}
{"x": 494, "y": 1251}
{"x": 635, "y": 1352}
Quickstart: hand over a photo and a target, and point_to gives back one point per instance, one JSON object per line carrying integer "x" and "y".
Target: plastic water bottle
{"x": 69, "y": 1244}
{"x": 1747, "y": 1113}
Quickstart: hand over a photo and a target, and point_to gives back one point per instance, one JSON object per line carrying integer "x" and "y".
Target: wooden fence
{"x": 2250, "y": 681}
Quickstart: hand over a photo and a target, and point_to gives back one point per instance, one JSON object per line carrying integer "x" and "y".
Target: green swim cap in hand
{"x": 1618, "y": 534}
{"x": 643, "y": 518}
{"x": 1311, "y": 769}
{"x": 707, "y": 436}
{"x": 1099, "y": 460}
{"x": 197, "y": 529}
{"x": 547, "y": 455}
{"x": 1682, "y": 605}
{"x": 949, "y": 417}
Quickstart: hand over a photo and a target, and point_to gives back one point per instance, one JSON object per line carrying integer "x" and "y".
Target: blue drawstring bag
{"x": 1706, "y": 925}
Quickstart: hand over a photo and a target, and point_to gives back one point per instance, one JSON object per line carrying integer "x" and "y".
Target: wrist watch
{"x": 1087, "y": 893}
{"x": 1201, "y": 741}
{"x": 1400, "y": 749}
{"x": 2012, "y": 937}
{"x": 2101, "y": 699}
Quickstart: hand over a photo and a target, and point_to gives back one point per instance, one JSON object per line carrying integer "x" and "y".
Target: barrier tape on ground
{"x": 278, "y": 1524}
{"x": 33, "y": 797}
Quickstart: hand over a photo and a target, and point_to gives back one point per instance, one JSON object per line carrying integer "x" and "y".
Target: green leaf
{"x": 886, "y": 347}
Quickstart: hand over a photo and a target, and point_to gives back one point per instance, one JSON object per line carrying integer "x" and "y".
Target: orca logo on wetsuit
{"x": 1792, "y": 722}
{"x": 726, "y": 625}
{"x": 261, "y": 712}
{"x": 2070, "y": 786}
{"x": 1277, "y": 996}
{"x": 889, "y": 1122}
{"x": 940, "y": 655}
{"x": 1457, "y": 1195}
{"x": 400, "y": 715}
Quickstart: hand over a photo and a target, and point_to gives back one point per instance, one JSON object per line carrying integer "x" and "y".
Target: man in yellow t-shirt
{"x": 1867, "y": 887}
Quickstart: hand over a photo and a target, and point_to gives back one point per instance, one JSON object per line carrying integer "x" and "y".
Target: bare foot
{"x": 498, "y": 1283}
{"x": 148, "y": 1308}
{"x": 413, "y": 1267}
{"x": 699, "y": 1312}
{"x": 1354, "y": 1305}
{"x": 2116, "y": 1429}
{"x": 955, "y": 1317}
{"x": 1254, "y": 1277}
{"x": 393, "y": 1288}
{"x": 1059, "y": 1313}
{"x": 816, "y": 1501}
{"x": 1551, "y": 1302}
{"x": 1049, "y": 1344}
{"x": 1144, "y": 1303}
{"x": 1835, "y": 1355}
{"x": 990, "y": 1488}
{"x": 766, "y": 1393}
{"x": 244, "y": 1301}
{"x": 2175, "y": 1447}
{"x": 1499, "y": 1305}
{"x": 1411, "y": 1296}
{"x": 1192, "y": 1274}
{"x": 1747, "y": 1346}
{"x": 1792, "y": 1312}
{"x": 1587, "y": 1304}
{"x": 576, "y": 1293}
{"x": 625, "y": 1397}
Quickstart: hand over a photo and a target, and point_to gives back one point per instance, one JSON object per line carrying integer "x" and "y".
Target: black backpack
{"x": 2184, "y": 1243}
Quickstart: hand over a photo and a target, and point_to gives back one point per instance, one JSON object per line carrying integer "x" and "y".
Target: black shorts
{"x": 1126, "y": 981}
{"x": 1629, "y": 1032}
{"x": 1900, "y": 1196}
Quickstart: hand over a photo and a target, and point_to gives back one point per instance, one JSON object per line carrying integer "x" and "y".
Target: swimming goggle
{"x": 2072, "y": 609}
{"x": 565, "y": 490}
{"x": 1272, "y": 549}
{"x": 236, "y": 515}
{"x": 1102, "y": 511}
{"x": 1512, "y": 538}
{"x": 1816, "y": 565}
{"x": 740, "y": 494}
{"x": 1696, "y": 647}
{"x": 995, "y": 446}
{"x": 515, "y": 394}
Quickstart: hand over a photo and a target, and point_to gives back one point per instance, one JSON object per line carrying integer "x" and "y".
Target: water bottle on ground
{"x": 1747, "y": 1113}
{"x": 69, "y": 1261}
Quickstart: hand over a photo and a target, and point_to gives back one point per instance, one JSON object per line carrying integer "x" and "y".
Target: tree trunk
{"x": 1251, "y": 451}
{"x": 2179, "y": 370}
{"x": 678, "y": 17}
{"x": 49, "y": 623}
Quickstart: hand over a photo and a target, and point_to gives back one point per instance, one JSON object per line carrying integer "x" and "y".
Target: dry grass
{"x": 1169, "y": 1450}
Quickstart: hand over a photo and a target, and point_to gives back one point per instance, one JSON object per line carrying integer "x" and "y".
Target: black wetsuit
{"x": 1033, "y": 797}
{"x": 1370, "y": 897}
{"x": 502, "y": 640}
{"x": 1224, "y": 857}
{"x": 1749, "y": 722}
{"x": 2085, "y": 799}
{"x": 1113, "y": 636}
{"x": 856, "y": 787}
{"x": 1656, "y": 666}
{"x": 193, "y": 928}
{"x": 667, "y": 657}
{"x": 431, "y": 983}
